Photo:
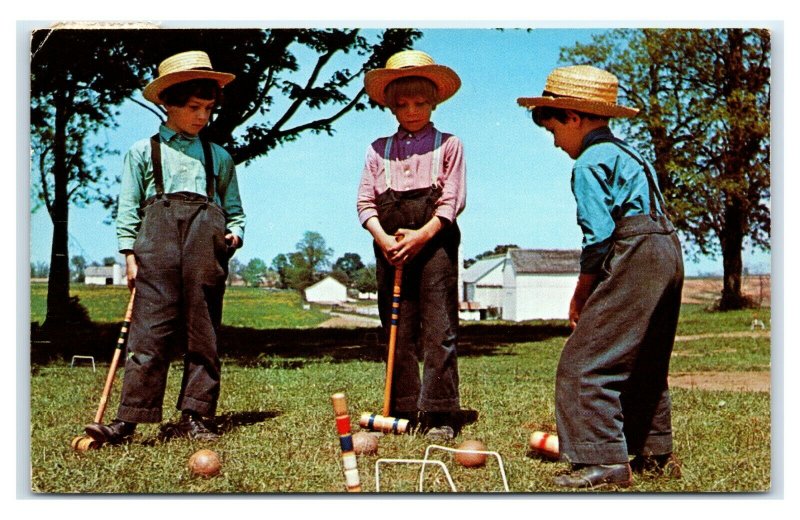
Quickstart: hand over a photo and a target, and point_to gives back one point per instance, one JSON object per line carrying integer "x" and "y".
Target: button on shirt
{"x": 411, "y": 160}
{"x": 608, "y": 185}
{"x": 182, "y": 164}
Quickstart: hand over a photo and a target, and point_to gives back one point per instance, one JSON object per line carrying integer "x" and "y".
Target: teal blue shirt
{"x": 183, "y": 168}
{"x": 608, "y": 185}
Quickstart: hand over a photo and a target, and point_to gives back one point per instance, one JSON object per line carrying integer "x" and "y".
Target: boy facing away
{"x": 412, "y": 188}
{"x": 612, "y": 398}
{"x": 179, "y": 221}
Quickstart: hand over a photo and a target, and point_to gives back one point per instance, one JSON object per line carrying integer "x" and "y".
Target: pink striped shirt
{"x": 410, "y": 168}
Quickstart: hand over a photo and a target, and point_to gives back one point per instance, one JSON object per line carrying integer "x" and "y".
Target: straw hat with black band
{"x": 411, "y": 63}
{"x": 582, "y": 88}
{"x": 182, "y": 67}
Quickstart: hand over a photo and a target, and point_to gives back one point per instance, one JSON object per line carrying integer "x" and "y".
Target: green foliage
{"x": 305, "y": 266}
{"x": 366, "y": 279}
{"x": 254, "y": 272}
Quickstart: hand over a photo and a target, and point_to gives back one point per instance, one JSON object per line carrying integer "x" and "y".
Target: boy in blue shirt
{"x": 179, "y": 221}
{"x": 612, "y": 398}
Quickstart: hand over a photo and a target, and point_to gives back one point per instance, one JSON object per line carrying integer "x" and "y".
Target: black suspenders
{"x": 648, "y": 172}
{"x": 158, "y": 173}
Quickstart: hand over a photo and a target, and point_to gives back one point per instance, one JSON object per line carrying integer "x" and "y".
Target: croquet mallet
{"x": 383, "y": 422}
{"x": 84, "y": 442}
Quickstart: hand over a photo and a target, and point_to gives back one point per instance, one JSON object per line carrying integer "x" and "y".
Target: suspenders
{"x": 437, "y": 153}
{"x": 158, "y": 173}
{"x": 649, "y": 173}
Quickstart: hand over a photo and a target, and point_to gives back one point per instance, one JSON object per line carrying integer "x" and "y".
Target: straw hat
{"x": 182, "y": 67}
{"x": 582, "y": 88}
{"x": 411, "y": 63}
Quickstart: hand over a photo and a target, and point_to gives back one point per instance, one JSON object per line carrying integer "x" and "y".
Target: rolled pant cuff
{"x": 202, "y": 408}
{"x": 611, "y": 453}
{"x": 139, "y": 415}
{"x": 657, "y": 445}
{"x": 440, "y": 405}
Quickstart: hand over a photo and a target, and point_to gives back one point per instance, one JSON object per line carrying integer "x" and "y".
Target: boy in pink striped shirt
{"x": 412, "y": 189}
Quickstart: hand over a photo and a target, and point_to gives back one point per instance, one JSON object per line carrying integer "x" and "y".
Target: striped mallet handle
{"x": 121, "y": 342}
{"x": 351, "y": 479}
{"x": 387, "y": 391}
{"x": 376, "y": 422}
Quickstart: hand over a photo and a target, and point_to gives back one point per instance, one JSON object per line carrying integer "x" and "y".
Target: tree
{"x": 109, "y": 261}
{"x": 72, "y": 99}
{"x": 705, "y": 100}
{"x": 79, "y": 268}
{"x": 348, "y": 265}
{"x": 254, "y": 272}
{"x": 280, "y": 264}
{"x": 498, "y": 250}
{"x": 366, "y": 279}
{"x": 235, "y": 268}
{"x": 307, "y": 263}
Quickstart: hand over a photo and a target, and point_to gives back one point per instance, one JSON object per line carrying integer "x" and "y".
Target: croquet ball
{"x": 471, "y": 460}
{"x": 204, "y": 463}
{"x": 84, "y": 443}
{"x": 544, "y": 444}
{"x": 365, "y": 443}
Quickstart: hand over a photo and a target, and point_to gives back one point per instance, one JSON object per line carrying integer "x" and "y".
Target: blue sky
{"x": 517, "y": 188}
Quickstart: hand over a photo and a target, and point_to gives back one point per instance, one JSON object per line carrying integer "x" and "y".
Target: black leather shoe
{"x": 595, "y": 476}
{"x": 666, "y": 465}
{"x": 194, "y": 427}
{"x": 115, "y": 433}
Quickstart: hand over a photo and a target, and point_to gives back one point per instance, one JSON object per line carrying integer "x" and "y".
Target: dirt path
{"x": 725, "y": 381}
{"x": 348, "y": 321}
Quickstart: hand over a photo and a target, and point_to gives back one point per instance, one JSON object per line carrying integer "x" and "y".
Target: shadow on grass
{"x": 223, "y": 423}
{"x": 261, "y": 347}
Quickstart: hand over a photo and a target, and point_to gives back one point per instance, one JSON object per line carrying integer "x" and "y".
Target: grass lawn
{"x": 278, "y": 424}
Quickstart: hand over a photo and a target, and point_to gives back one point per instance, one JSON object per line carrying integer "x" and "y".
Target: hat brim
{"x": 580, "y": 105}
{"x": 446, "y": 80}
{"x": 153, "y": 90}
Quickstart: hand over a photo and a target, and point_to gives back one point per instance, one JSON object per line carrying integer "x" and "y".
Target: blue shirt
{"x": 608, "y": 185}
{"x": 182, "y": 161}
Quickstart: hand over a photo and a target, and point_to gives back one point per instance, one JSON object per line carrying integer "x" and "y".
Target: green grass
{"x": 243, "y": 307}
{"x": 279, "y": 426}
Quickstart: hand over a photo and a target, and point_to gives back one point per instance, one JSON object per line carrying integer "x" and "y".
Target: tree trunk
{"x": 732, "y": 241}
{"x": 58, "y": 282}
{"x": 734, "y": 164}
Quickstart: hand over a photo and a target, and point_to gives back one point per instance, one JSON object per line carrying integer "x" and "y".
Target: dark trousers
{"x": 612, "y": 397}
{"x": 427, "y": 329}
{"x": 182, "y": 267}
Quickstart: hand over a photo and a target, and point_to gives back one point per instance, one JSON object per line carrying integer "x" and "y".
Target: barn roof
{"x": 545, "y": 261}
{"x": 481, "y": 268}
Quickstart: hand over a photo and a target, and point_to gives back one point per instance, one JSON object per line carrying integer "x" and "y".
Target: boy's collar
{"x": 168, "y": 134}
{"x": 602, "y": 133}
{"x": 402, "y": 133}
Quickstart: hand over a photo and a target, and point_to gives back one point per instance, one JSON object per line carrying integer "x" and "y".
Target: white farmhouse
{"x": 329, "y": 290}
{"x": 538, "y": 284}
{"x": 105, "y": 275}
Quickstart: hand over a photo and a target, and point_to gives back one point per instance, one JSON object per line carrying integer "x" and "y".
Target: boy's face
{"x": 412, "y": 112}
{"x": 568, "y": 135}
{"x": 192, "y": 117}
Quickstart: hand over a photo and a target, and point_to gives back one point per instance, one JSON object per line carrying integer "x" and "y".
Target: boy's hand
{"x": 413, "y": 240}
{"x": 410, "y": 243}
{"x": 233, "y": 242}
{"x": 131, "y": 268}
{"x": 584, "y": 288}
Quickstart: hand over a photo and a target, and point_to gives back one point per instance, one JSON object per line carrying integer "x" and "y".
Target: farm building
{"x": 105, "y": 275}
{"x": 539, "y": 283}
{"x": 482, "y": 288}
{"x": 328, "y": 290}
